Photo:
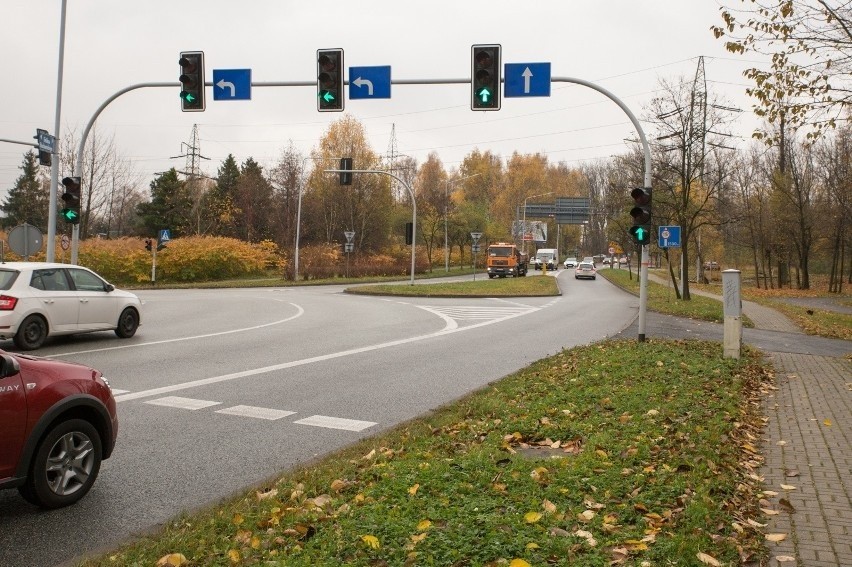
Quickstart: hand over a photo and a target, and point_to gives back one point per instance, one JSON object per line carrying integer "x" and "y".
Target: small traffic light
{"x": 409, "y": 233}
{"x": 148, "y": 244}
{"x": 71, "y": 211}
{"x": 641, "y": 213}
{"x": 485, "y": 77}
{"x": 346, "y": 177}
{"x": 329, "y": 80}
{"x": 191, "y": 81}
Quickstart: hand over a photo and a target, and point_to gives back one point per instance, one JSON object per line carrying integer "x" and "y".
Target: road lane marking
{"x": 259, "y": 413}
{"x": 335, "y": 423}
{"x": 311, "y": 360}
{"x": 182, "y": 403}
{"x": 299, "y": 313}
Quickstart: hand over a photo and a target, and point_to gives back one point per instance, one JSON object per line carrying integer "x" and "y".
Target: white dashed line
{"x": 335, "y": 423}
{"x": 259, "y": 413}
{"x": 182, "y": 403}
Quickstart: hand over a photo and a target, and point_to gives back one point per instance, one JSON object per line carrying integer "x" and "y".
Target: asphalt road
{"x": 223, "y": 389}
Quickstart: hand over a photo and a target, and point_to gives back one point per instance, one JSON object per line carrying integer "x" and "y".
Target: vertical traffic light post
{"x": 330, "y": 80}
{"x": 191, "y": 81}
{"x": 410, "y": 193}
{"x": 485, "y": 67}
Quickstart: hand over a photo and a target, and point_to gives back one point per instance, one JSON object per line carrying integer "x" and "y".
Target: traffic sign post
{"x": 475, "y": 236}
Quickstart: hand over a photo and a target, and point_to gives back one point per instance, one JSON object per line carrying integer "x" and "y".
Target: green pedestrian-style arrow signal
{"x": 484, "y": 94}
{"x": 327, "y": 96}
{"x": 640, "y": 234}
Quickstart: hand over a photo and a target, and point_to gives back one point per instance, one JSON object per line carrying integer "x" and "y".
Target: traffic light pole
{"x": 643, "y": 275}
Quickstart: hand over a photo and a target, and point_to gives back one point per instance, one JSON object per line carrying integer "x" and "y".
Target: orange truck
{"x": 504, "y": 259}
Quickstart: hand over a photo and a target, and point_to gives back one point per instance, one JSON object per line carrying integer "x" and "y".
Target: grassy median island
{"x": 532, "y": 286}
{"x": 615, "y": 453}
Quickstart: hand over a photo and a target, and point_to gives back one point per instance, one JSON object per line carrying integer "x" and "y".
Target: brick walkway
{"x": 808, "y": 447}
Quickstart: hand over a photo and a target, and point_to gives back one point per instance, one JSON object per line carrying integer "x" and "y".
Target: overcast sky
{"x": 625, "y": 46}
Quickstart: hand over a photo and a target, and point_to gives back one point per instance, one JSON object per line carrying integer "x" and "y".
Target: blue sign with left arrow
{"x": 231, "y": 84}
{"x": 370, "y": 82}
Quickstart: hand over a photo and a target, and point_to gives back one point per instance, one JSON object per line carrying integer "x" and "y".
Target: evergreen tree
{"x": 170, "y": 206}
{"x": 29, "y": 200}
{"x": 253, "y": 200}
{"x": 219, "y": 207}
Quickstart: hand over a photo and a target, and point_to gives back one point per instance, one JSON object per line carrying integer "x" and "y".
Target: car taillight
{"x": 7, "y": 303}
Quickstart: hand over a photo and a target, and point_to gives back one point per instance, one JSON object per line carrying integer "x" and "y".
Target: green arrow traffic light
{"x": 484, "y": 94}
{"x": 327, "y": 96}
{"x": 70, "y": 216}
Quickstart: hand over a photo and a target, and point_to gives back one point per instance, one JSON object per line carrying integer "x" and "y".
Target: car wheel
{"x": 31, "y": 333}
{"x": 128, "y": 322}
{"x": 490, "y": 276}
{"x": 65, "y": 466}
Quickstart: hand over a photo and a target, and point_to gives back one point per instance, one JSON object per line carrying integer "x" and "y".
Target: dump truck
{"x": 504, "y": 259}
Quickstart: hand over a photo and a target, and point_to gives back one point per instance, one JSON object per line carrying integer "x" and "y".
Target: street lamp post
{"x": 446, "y": 202}
{"x": 524, "y": 228}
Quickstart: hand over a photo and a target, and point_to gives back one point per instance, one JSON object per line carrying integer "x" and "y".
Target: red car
{"x": 58, "y": 423}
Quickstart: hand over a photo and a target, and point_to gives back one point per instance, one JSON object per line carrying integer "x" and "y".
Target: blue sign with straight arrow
{"x": 526, "y": 79}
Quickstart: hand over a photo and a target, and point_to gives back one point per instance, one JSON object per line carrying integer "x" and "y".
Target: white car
{"x": 570, "y": 262}
{"x": 39, "y": 299}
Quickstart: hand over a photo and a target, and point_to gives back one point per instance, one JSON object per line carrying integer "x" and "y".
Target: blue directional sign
{"x": 370, "y": 82}
{"x": 231, "y": 84}
{"x": 669, "y": 237}
{"x": 526, "y": 79}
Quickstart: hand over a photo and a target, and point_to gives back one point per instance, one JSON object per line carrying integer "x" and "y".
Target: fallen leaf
{"x": 519, "y": 563}
{"x": 371, "y": 541}
{"x": 268, "y": 494}
{"x": 172, "y": 560}
{"x": 337, "y": 485}
{"x": 708, "y": 559}
{"x": 418, "y": 537}
{"x": 238, "y": 519}
{"x": 776, "y": 537}
{"x": 532, "y": 517}
{"x": 234, "y": 556}
{"x": 413, "y": 490}
{"x": 532, "y": 545}
{"x": 788, "y": 487}
{"x": 769, "y": 512}
{"x": 786, "y": 506}
{"x": 784, "y": 558}
{"x": 424, "y": 525}
{"x": 586, "y": 516}
{"x": 549, "y": 507}
{"x": 827, "y": 422}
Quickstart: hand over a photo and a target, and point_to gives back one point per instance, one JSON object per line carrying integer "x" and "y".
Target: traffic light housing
{"x": 641, "y": 213}
{"x": 485, "y": 77}
{"x": 148, "y": 244}
{"x": 71, "y": 199}
{"x": 409, "y": 233}
{"x": 330, "y": 80}
{"x": 346, "y": 176}
{"x": 191, "y": 81}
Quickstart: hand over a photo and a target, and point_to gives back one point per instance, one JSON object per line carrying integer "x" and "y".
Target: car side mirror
{"x": 109, "y": 287}
{"x": 8, "y": 366}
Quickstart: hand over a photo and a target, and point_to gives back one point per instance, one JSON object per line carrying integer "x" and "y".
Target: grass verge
{"x": 498, "y": 287}
{"x": 614, "y": 453}
{"x": 664, "y": 300}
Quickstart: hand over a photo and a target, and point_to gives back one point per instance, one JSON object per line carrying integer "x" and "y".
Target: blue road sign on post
{"x": 231, "y": 84}
{"x": 526, "y": 79}
{"x": 669, "y": 237}
{"x": 370, "y": 82}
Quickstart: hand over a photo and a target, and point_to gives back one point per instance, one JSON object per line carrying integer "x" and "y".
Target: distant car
{"x": 39, "y": 299}
{"x": 585, "y": 270}
{"x": 607, "y": 261}
{"x": 59, "y": 423}
{"x": 589, "y": 260}
{"x": 570, "y": 262}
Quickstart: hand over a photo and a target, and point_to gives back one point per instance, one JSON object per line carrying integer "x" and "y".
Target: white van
{"x": 546, "y": 257}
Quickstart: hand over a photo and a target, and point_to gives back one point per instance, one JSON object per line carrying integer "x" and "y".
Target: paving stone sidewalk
{"x": 807, "y": 450}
